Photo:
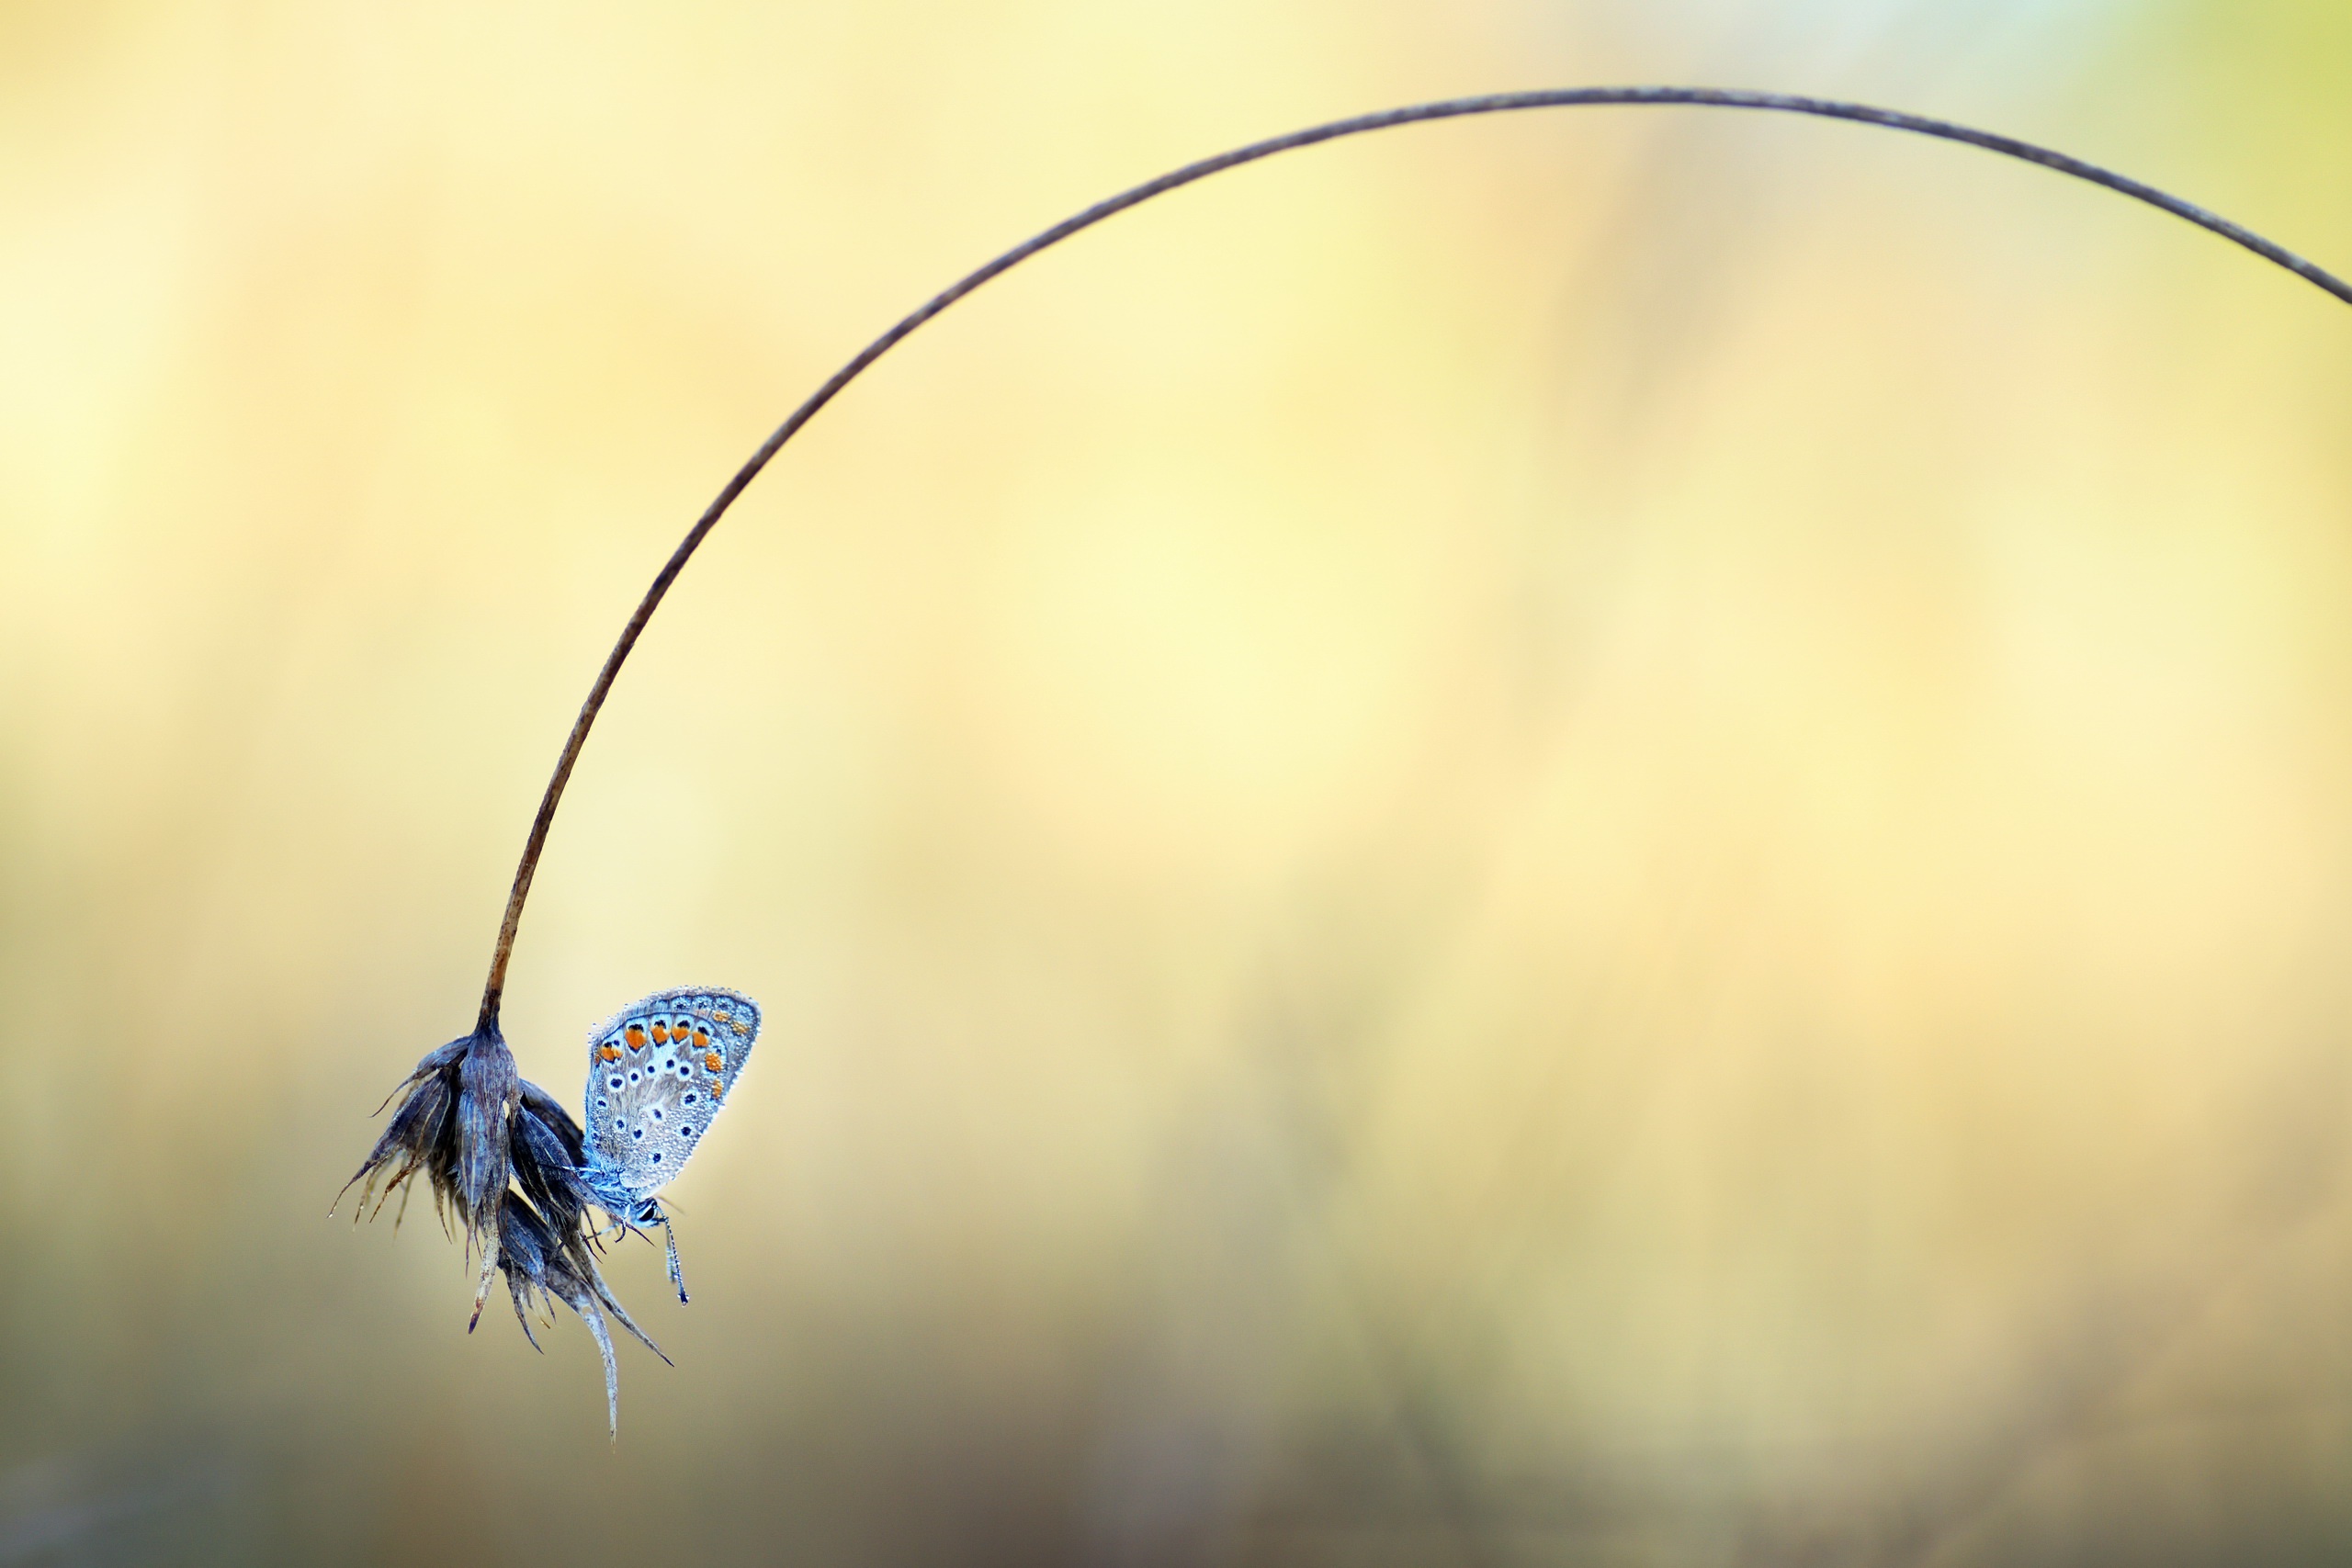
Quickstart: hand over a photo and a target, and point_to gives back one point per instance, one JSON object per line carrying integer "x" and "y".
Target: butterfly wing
{"x": 658, "y": 1072}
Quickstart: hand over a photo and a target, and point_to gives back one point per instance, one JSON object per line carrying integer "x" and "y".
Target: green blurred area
{"x": 1620, "y": 837}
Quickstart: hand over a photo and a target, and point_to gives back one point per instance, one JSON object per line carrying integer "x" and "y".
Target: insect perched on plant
{"x": 521, "y": 1177}
{"x": 509, "y": 1160}
{"x": 658, "y": 1072}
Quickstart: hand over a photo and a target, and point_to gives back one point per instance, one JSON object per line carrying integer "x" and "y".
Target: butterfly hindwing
{"x": 658, "y": 1072}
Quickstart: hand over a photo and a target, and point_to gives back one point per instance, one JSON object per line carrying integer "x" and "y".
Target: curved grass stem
{"x": 1451, "y": 109}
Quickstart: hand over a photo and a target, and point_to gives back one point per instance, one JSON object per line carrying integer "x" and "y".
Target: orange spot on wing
{"x": 610, "y": 1052}
{"x": 741, "y": 1027}
{"x": 702, "y": 1036}
{"x": 635, "y": 1034}
{"x": 721, "y": 1015}
{"x": 661, "y": 1033}
{"x": 714, "y": 1061}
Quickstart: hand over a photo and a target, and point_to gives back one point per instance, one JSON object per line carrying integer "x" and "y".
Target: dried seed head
{"x": 505, "y": 1156}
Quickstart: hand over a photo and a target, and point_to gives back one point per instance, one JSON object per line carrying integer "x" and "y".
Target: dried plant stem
{"x": 1451, "y": 109}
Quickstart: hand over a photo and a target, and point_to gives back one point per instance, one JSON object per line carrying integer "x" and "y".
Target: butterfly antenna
{"x": 677, "y": 1274}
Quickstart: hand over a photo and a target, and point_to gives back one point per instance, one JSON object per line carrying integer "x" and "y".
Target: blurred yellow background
{"x": 1613, "y": 836}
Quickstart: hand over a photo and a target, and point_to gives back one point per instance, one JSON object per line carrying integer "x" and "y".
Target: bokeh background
{"x": 1622, "y": 836}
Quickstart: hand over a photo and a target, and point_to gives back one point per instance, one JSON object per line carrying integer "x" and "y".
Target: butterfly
{"x": 658, "y": 1072}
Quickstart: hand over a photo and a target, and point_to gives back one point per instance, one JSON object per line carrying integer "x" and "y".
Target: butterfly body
{"x": 659, "y": 1071}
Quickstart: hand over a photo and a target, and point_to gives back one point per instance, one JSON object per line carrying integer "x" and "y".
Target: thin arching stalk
{"x": 1451, "y": 109}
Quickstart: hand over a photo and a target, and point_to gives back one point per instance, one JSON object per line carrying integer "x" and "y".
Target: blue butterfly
{"x": 658, "y": 1072}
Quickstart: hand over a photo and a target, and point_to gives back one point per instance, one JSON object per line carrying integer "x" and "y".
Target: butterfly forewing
{"x": 658, "y": 1072}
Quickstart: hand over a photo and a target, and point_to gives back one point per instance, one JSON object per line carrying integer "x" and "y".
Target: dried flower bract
{"x": 502, "y": 1155}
